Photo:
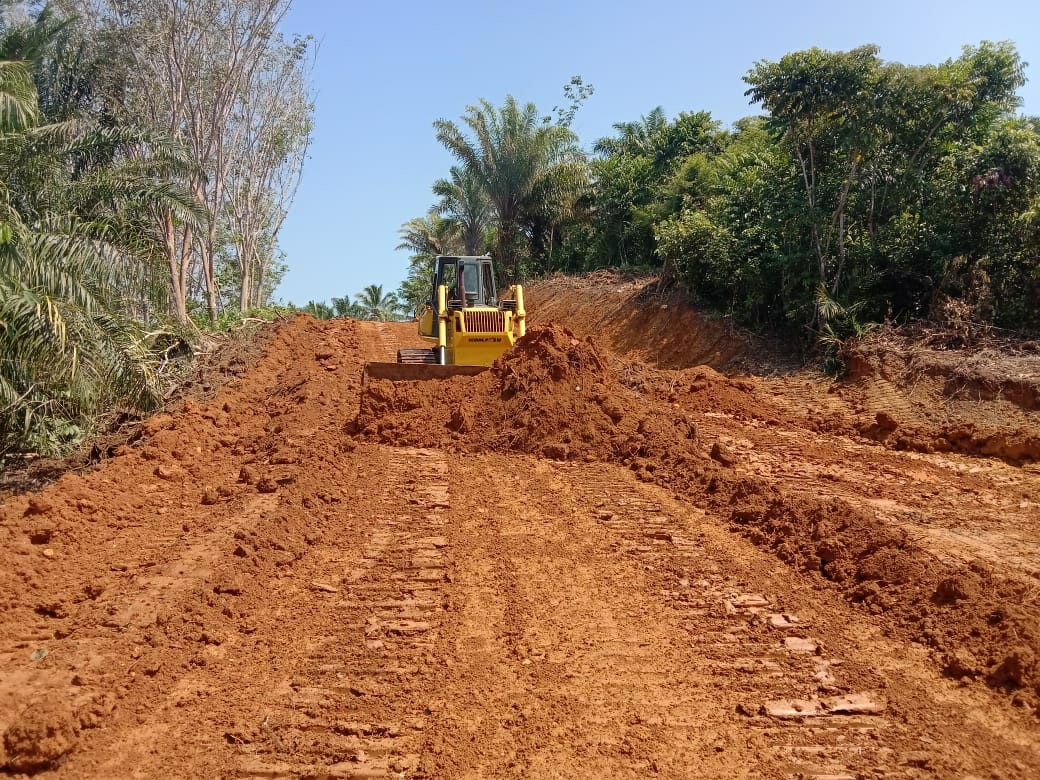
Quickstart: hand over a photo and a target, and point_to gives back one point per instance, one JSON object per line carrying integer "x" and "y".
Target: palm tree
{"x": 431, "y": 235}
{"x": 78, "y": 267}
{"x": 522, "y": 164}
{"x": 634, "y": 138}
{"x": 426, "y": 237}
{"x": 464, "y": 202}
{"x": 376, "y": 305}
{"x": 319, "y": 310}
{"x": 344, "y": 307}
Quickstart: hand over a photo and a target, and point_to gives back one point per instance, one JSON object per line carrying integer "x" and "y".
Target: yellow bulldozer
{"x": 467, "y": 323}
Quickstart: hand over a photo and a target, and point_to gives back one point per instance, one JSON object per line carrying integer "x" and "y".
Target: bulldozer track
{"x": 734, "y": 629}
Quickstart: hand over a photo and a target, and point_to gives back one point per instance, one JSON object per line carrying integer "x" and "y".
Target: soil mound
{"x": 553, "y": 395}
{"x": 636, "y": 319}
{"x": 39, "y": 737}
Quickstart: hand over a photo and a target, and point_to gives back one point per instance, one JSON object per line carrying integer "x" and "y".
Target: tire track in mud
{"x": 352, "y": 706}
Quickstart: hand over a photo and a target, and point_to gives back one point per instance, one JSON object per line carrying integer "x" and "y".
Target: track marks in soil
{"x": 809, "y": 688}
{"x": 782, "y": 684}
{"x": 960, "y": 508}
{"x": 350, "y": 705}
{"x": 562, "y": 667}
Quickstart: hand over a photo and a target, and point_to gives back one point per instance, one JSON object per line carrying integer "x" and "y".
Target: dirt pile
{"x": 979, "y": 624}
{"x": 636, "y": 319}
{"x": 553, "y": 395}
{"x": 916, "y": 396}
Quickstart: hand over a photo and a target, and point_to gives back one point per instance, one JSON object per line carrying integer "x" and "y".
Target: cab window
{"x": 490, "y": 298}
{"x": 471, "y": 276}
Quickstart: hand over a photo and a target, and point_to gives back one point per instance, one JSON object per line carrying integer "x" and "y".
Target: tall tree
{"x": 77, "y": 265}
{"x": 865, "y": 134}
{"x": 523, "y": 166}
{"x": 268, "y": 136}
{"x": 192, "y": 65}
{"x": 426, "y": 237}
{"x": 463, "y": 200}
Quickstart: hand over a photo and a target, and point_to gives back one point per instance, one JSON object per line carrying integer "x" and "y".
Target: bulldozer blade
{"x": 398, "y": 372}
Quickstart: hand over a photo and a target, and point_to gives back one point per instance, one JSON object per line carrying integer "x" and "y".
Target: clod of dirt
{"x": 38, "y": 505}
{"x": 961, "y": 663}
{"x": 1015, "y": 670}
{"x": 886, "y": 422}
{"x": 954, "y": 589}
{"x": 267, "y": 485}
{"x": 39, "y": 737}
{"x": 723, "y": 454}
{"x": 169, "y": 472}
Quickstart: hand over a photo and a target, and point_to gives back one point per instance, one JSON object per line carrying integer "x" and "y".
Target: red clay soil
{"x": 635, "y": 319}
{"x": 527, "y": 573}
{"x": 982, "y": 401}
{"x": 555, "y": 396}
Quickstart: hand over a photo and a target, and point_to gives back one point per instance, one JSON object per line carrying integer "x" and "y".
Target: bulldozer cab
{"x": 470, "y": 282}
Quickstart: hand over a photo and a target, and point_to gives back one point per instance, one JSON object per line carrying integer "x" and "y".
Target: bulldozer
{"x": 465, "y": 321}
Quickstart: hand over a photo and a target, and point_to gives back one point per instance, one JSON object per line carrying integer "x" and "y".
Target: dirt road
{"x": 254, "y": 590}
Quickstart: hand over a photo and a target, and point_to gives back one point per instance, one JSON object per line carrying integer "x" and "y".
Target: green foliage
{"x": 319, "y": 309}
{"x": 370, "y": 304}
{"x": 233, "y": 318}
{"x": 79, "y": 270}
{"x": 531, "y": 173}
{"x": 869, "y": 190}
{"x": 375, "y": 305}
{"x": 631, "y": 178}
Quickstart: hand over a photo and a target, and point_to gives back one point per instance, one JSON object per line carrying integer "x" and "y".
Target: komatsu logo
{"x": 485, "y": 340}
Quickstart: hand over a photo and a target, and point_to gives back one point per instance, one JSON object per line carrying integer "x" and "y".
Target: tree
{"x": 464, "y": 202}
{"x": 630, "y": 174}
{"x": 866, "y": 137}
{"x": 576, "y": 91}
{"x": 195, "y": 69}
{"x": 377, "y": 306}
{"x": 319, "y": 310}
{"x": 425, "y": 237}
{"x": 78, "y": 268}
{"x": 529, "y": 171}
{"x": 344, "y": 307}
{"x": 268, "y": 136}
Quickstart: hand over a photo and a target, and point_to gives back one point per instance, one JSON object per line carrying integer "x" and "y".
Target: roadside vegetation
{"x": 149, "y": 153}
{"x": 865, "y": 192}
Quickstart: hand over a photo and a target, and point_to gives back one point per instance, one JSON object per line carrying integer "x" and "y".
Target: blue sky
{"x": 386, "y": 70}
